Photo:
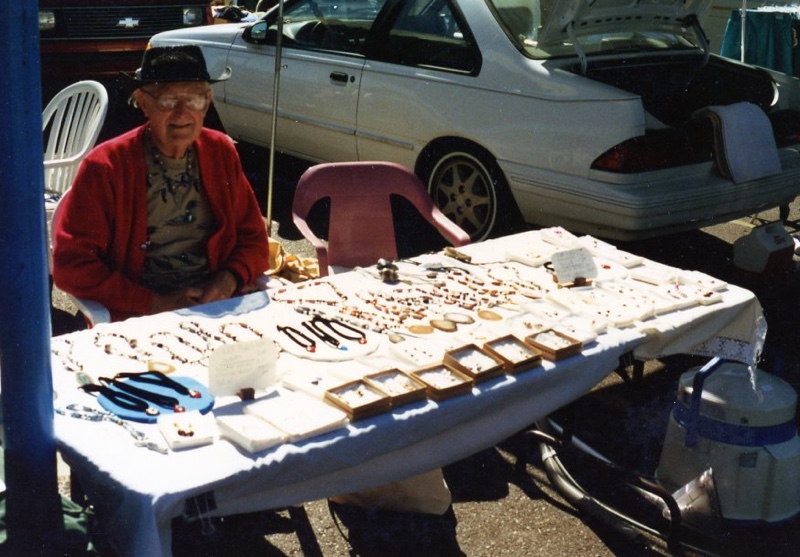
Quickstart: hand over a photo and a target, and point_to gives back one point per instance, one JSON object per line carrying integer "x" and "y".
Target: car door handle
{"x": 339, "y": 77}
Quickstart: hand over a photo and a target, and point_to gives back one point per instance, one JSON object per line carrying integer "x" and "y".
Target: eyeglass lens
{"x": 191, "y": 102}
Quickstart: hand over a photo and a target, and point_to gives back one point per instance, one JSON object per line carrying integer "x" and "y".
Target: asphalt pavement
{"x": 503, "y": 502}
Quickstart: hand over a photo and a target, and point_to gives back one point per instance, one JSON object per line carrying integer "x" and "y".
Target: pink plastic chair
{"x": 361, "y": 225}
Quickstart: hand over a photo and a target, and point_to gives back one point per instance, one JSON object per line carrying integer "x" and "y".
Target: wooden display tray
{"x": 473, "y": 361}
{"x": 519, "y": 356}
{"x": 401, "y": 387}
{"x": 570, "y": 346}
{"x": 457, "y": 384}
{"x": 359, "y": 399}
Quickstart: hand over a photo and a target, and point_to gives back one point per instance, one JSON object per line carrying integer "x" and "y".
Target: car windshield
{"x": 524, "y": 20}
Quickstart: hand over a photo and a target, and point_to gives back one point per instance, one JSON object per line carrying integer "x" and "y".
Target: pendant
{"x": 445, "y": 325}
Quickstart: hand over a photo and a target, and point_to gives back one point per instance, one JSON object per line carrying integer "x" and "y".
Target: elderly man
{"x": 161, "y": 217}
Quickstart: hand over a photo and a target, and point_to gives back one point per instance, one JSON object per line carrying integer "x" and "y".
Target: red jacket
{"x": 101, "y": 227}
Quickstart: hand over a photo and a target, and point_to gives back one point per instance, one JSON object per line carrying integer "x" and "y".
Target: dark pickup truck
{"x": 97, "y": 39}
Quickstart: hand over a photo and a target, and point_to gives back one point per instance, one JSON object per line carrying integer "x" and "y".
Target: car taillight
{"x": 656, "y": 150}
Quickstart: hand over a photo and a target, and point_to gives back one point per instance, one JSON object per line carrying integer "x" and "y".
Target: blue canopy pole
{"x": 33, "y": 505}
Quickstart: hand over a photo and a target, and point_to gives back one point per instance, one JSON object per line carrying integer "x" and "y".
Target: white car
{"x": 576, "y": 113}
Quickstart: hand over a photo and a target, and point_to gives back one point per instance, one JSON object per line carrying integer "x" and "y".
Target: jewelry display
{"x": 602, "y": 304}
{"x": 445, "y": 325}
{"x": 318, "y": 291}
{"x": 510, "y": 275}
{"x": 211, "y": 339}
{"x": 117, "y": 344}
{"x": 328, "y": 339}
{"x": 554, "y": 345}
{"x": 419, "y": 352}
{"x": 340, "y": 328}
{"x": 442, "y": 382}
{"x": 456, "y": 325}
{"x": 515, "y": 354}
{"x": 358, "y": 399}
{"x": 121, "y": 399}
{"x": 401, "y": 387}
{"x": 559, "y": 236}
{"x": 192, "y": 429}
{"x": 388, "y": 271}
{"x": 81, "y": 412}
{"x": 489, "y": 315}
{"x": 164, "y": 401}
{"x": 418, "y": 329}
{"x": 459, "y": 318}
{"x": 702, "y": 280}
{"x": 154, "y": 377}
{"x": 64, "y": 351}
{"x": 184, "y": 430}
{"x": 298, "y": 338}
{"x": 249, "y": 432}
{"x": 474, "y": 362}
{"x": 532, "y": 256}
{"x": 176, "y": 348}
{"x": 240, "y": 331}
{"x": 653, "y": 273}
{"x": 612, "y": 253}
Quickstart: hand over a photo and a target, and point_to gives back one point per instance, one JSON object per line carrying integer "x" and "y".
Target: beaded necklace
{"x": 175, "y": 183}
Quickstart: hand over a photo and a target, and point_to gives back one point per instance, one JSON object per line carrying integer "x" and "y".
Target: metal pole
{"x": 275, "y": 89}
{"x": 744, "y": 23}
{"x": 33, "y": 505}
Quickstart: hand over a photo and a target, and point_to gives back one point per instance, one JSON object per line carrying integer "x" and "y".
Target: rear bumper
{"x": 642, "y": 206}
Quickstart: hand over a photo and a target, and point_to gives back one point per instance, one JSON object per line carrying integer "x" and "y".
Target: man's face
{"x": 176, "y": 112}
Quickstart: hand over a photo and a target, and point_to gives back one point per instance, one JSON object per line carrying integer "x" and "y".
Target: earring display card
{"x": 249, "y": 432}
{"x": 359, "y": 399}
{"x": 401, "y": 387}
{"x": 187, "y": 429}
{"x": 474, "y": 362}
{"x": 443, "y": 382}
{"x": 299, "y": 415}
{"x": 554, "y": 345}
{"x": 515, "y": 354}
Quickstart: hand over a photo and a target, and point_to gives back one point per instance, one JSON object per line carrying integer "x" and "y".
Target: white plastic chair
{"x": 71, "y": 122}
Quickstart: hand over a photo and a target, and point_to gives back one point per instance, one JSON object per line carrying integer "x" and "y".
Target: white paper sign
{"x": 572, "y": 264}
{"x": 242, "y": 364}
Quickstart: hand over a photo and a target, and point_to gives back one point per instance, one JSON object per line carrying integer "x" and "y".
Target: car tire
{"x": 468, "y": 186}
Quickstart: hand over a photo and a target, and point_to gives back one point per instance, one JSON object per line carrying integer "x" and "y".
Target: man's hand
{"x": 221, "y": 287}
{"x": 179, "y": 299}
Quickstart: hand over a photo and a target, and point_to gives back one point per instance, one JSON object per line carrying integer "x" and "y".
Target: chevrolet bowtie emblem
{"x": 128, "y": 23}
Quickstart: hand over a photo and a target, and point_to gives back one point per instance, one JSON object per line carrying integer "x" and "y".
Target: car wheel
{"x": 468, "y": 186}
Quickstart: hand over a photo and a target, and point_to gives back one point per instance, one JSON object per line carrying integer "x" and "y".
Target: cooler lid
{"x": 729, "y": 396}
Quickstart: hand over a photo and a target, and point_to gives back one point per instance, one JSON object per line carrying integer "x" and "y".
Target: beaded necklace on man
{"x": 179, "y": 221}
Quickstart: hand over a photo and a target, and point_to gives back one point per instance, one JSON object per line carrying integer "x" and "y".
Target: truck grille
{"x": 123, "y": 22}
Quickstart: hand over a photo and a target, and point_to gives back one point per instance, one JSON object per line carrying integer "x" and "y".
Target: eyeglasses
{"x": 168, "y": 103}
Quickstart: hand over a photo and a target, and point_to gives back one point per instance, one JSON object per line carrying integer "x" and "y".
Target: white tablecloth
{"x": 138, "y": 492}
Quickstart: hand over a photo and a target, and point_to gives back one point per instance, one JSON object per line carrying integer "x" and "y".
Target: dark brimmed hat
{"x": 166, "y": 64}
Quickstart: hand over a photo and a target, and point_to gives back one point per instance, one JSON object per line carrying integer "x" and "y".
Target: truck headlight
{"x": 47, "y": 20}
{"x": 192, "y": 16}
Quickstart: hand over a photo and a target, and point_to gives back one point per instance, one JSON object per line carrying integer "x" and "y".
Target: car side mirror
{"x": 260, "y": 33}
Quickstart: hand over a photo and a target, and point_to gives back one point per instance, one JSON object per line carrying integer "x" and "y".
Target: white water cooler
{"x": 746, "y": 436}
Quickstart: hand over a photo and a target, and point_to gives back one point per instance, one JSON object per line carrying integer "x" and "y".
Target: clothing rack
{"x": 776, "y": 28}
